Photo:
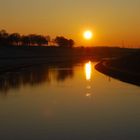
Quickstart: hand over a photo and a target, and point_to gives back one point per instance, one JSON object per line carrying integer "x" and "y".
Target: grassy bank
{"x": 126, "y": 68}
{"x": 12, "y": 57}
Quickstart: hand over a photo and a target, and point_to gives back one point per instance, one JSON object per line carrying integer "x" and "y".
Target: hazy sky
{"x": 111, "y": 20}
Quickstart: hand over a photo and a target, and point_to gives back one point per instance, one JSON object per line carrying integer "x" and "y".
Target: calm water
{"x": 67, "y": 102}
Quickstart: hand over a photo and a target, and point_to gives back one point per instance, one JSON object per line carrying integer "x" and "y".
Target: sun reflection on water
{"x": 88, "y": 74}
{"x": 88, "y": 70}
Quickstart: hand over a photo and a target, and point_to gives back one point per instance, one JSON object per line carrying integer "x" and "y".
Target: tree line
{"x": 16, "y": 39}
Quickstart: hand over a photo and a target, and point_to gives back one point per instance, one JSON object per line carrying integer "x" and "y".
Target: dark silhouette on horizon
{"x": 19, "y": 51}
{"x": 15, "y": 39}
{"x": 63, "y": 42}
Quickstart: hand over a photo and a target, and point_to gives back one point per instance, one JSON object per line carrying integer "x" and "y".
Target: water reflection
{"x": 88, "y": 70}
{"x": 34, "y": 76}
{"x": 88, "y": 74}
{"x": 64, "y": 73}
{"x": 68, "y": 111}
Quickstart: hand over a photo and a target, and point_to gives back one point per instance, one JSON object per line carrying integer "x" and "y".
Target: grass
{"x": 125, "y": 68}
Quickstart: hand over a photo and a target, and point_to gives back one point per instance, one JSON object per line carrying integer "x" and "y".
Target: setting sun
{"x": 88, "y": 34}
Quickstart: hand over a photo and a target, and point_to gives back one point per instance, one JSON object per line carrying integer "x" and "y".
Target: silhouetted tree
{"x": 3, "y": 37}
{"x": 33, "y": 39}
{"x": 14, "y": 39}
{"x": 63, "y": 42}
{"x": 41, "y": 40}
{"x": 25, "y": 40}
{"x": 71, "y": 43}
{"x": 48, "y": 38}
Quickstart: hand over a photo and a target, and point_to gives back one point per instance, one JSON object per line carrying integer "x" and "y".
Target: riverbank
{"x": 126, "y": 68}
{"x": 16, "y": 57}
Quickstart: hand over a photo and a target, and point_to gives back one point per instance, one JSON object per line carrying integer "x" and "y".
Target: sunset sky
{"x": 112, "y": 21}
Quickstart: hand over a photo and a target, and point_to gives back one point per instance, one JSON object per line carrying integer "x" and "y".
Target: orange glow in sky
{"x": 114, "y": 21}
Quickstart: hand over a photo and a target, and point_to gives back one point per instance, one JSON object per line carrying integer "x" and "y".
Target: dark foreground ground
{"x": 121, "y": 63}
{"x": 12, "y": 57}
{"x": 126, "y": 68}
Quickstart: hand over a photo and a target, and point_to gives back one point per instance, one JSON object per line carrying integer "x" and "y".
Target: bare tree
{"x": 63, "y": 42}
{"x": 3, "y": 37}
{"x": 14, "y": 39}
